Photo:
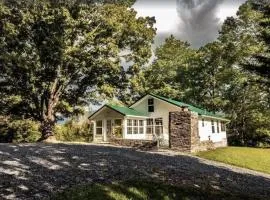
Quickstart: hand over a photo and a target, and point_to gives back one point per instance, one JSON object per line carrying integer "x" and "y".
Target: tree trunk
{"x": 47, "y": 130}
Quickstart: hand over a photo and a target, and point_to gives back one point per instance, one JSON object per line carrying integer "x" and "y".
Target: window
{"x": 150, "y": 105}
{"x": 99, "y": 127}
{"x": 129, "y": 126}
{"x": 158, "y": 126}
{"x": 135, "y": 126}
{"x": 223, "y": 127}
{"x": 202, "y": 122}
{"x": 149, "y": 126}
{"x": 217, "y": 126}
{"x": 213, "y": 126}
{"x": 140, "y": 126}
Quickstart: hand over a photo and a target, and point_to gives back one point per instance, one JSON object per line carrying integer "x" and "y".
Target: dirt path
{"x": 35, "y": 171}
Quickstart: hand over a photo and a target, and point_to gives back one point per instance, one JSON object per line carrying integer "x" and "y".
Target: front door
{"x": 108, "y": 129}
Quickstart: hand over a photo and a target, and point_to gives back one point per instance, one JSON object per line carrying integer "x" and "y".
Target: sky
{"x": 195, "y": 21}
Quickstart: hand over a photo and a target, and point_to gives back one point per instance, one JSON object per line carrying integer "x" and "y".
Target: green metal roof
{"x": 126, "y": 111}
{"x": 190, "y": 107}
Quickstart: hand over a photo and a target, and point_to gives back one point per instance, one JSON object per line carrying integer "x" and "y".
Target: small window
{"x": 213, "y": 126}
{"x": 217, "y": 126}
{"x": 202, "y": 122}
{"x": 151, "y": 105}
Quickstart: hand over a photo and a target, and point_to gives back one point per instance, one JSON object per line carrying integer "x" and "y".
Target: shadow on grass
{"x": 36, "y": 171}
{"x": 142, "y": 190}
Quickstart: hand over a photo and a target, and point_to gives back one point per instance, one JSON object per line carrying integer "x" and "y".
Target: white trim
{"x": 144, "y": 117}
{"x": 210, "y": 117}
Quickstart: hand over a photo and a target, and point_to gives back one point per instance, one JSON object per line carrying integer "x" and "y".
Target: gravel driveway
{"x": 35, "y": 171}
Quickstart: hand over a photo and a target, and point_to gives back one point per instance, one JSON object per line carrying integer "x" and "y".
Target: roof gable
{"x": 181, "y": 104}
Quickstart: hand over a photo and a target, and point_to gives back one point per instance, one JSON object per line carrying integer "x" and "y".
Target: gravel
{"x": 36, "y": 171}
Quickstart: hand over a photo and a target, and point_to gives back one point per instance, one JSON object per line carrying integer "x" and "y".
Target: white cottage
{"x": 173, "y": 123}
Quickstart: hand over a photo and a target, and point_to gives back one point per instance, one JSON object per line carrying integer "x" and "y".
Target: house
{"x": 155, "y": 118}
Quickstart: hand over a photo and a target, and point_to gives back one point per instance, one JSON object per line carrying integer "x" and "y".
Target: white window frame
{"x": 136, "y": 126}
{"x": 213, "y": 126}
{"x": 158, "y": 126}
{"x": 151, "y": 104}
{"x": 150, "y": 126}
{"x": 99, "y": 127}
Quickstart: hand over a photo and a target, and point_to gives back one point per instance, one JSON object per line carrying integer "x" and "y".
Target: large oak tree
{"x": 56, "y": 56}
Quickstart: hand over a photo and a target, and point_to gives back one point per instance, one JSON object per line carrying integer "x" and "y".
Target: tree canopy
{"x": 55, "y": 58}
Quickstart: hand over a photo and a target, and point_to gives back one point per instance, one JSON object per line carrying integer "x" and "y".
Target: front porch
{"x": 113, "y": 122}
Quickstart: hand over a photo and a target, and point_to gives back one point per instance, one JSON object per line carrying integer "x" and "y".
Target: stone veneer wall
{"x": 143, "y": 144}
{"x": 184, "y": 132}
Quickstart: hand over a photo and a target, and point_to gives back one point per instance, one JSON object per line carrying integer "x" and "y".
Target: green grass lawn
{"x": 143, "y": 190}
{"x": 251, "y": 158}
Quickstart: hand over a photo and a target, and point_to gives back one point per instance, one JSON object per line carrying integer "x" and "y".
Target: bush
{"x": 19, "y": 130}
{"x": 73, "y": 131}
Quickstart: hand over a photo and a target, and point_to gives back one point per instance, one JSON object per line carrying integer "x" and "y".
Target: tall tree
{"x": 168, "y": 74}
{"x": 55, "y": 58}
{"x": 260, "y": 62}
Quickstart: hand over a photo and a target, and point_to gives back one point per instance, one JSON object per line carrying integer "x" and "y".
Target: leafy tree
{"x": 55, "y": 58}
{"x": 168, "y": 74}
{"x": 260, "y": 62}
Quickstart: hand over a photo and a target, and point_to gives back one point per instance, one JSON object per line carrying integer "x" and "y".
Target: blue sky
{"x": 195, "y": 21}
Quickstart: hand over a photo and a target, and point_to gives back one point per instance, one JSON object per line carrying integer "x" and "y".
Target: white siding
{"x": 161, "y": 110}
{"x": 206, "y": 131}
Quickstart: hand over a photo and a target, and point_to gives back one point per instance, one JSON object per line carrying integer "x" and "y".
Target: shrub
{"x": 12, "y": 130}
{"x": 73, "y": 131}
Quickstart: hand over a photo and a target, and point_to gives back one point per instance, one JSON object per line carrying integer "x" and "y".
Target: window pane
{"x": 150, "y": 101}
{"x": 129, "y": 130}
{"x": 149, "y": 121}
{"x": 150, "y": 108}
{"x": 99, "y": 123}
{"x": 135, "y": 130}
{"x": 99, "y": 131}
{"x": 149, "y": 130}
{"x": 217, "y": 127}
{"x": 135, "y": 122}
{"x": 213, "y": 126}
{"x": 129, "y": 122}
{"x": 158, "y": 121}
{"x": 141, "y": 123}
{"x": 202, "y": 122}
{"x": 141, "y": 130}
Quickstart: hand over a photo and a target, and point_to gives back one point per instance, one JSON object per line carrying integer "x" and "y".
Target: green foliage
{"x": 56, "y": 56}
{"x": 19, "y": 130}
{"x": 168, "y": 74}
{"x": 73, "y": 131}
{"x": 213, "y": 77}
{"x": 251, "y": 158}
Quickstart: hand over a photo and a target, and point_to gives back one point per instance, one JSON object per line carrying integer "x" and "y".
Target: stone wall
{"x": 180, "y": 130}
{"x": 142, "y": 144}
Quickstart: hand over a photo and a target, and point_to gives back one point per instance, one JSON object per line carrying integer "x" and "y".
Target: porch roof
{"x": 125, "y": 111}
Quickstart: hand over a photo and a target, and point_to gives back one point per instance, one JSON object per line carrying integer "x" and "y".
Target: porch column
{"x": 105, "y": 131}
{"x": 124, "y": 128}
{"x": 94, "y": 130}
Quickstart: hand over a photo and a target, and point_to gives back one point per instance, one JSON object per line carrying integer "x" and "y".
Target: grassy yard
{"x": 142, "y": 190}
{"x": 251, "y": 158}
